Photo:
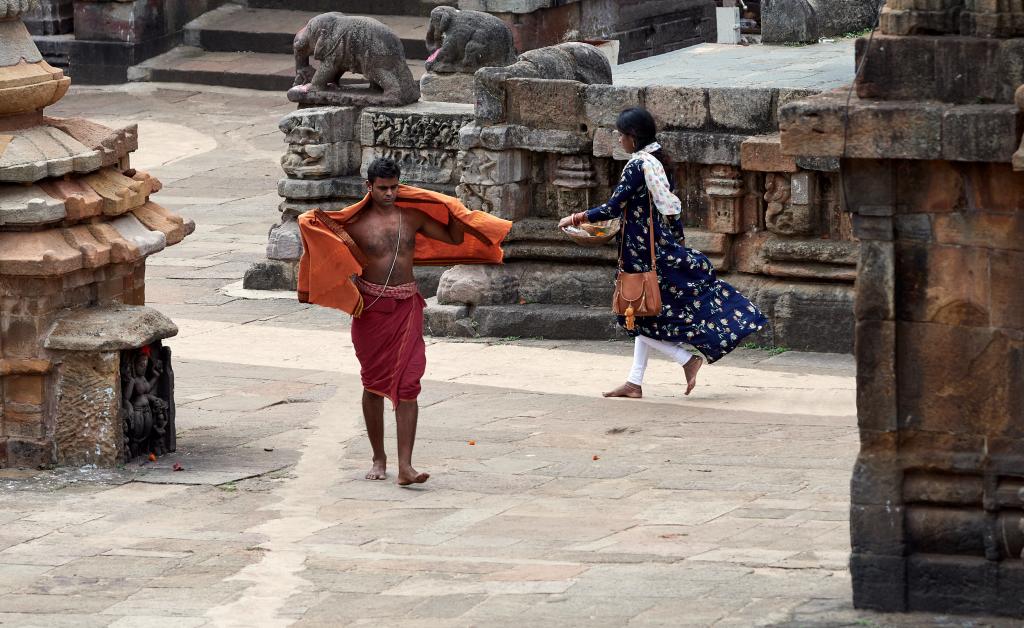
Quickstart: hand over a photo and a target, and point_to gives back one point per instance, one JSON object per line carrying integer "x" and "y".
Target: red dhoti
{"x": 388, "y": 338}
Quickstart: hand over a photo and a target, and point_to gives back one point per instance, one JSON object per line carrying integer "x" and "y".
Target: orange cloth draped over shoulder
{"x": 330, "y": 257}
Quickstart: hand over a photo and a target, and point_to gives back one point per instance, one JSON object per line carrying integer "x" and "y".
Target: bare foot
{"x": 409, "y": 476}
{"x": 378, "y": 471}
{"x": 629, "y": 390}
{"x": 690, "y": 369}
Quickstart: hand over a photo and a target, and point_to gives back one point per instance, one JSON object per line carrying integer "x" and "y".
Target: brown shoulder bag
{"x": 637, "y": 294}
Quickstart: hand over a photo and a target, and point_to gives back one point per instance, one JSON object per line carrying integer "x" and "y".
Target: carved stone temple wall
{"x": 936, "y": 194}
{"x": 84, "y": 378}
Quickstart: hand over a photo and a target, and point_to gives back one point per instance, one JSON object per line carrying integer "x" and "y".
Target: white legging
{"x": 642, "y": 351}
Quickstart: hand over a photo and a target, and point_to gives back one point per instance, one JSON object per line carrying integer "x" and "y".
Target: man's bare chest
{"x": 379, "y": 237}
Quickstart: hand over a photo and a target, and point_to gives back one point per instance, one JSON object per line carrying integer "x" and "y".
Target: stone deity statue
{"x": 144, "y": 411}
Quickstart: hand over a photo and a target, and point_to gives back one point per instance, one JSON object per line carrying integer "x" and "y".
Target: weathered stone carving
{"x": 426, "y": 165}
{"x": 341, "y": 44}
{"x": 571, "y": 61}
{"x": 789, "y": 211}
{"x": 724, "y": 187}
{"x": 15, "y": 8}
{"x": 415, "y": 131}
{"x": 465, "y": 41}
{"x": 493, "y": 167}
{"x": 147, "y": 401}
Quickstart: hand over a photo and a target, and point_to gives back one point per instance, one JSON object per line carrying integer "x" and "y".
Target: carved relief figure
{"x": 361, "y": 45}
{"x": 465, "y": 41}
{"x": 145, "y": 413}
{"x": 415, "y": 131}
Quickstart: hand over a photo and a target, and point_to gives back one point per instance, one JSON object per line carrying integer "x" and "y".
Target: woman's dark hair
{"x": 639, "y": 124}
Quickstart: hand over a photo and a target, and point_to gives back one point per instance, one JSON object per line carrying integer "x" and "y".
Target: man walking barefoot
{"x": 383, "y": 235}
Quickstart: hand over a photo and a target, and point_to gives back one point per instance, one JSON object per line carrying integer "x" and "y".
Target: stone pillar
{"x": 321, "y": 165}
{"x": 927, "y": 147}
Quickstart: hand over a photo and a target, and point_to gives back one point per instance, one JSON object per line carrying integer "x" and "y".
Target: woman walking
{"x": 697, "y": 308}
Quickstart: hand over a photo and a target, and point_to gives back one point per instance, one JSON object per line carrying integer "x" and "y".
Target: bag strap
{"x": 650, "y": 225}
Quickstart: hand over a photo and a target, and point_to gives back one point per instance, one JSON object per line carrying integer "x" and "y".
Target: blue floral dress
{"x": 697, "y": 307}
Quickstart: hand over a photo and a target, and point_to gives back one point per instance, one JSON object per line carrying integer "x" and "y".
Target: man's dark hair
{"x": 383, "y": 168}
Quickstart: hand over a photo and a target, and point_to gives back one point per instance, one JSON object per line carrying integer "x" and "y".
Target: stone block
{"x": 875, "y": 350}
{"x": 985, "y": 403}
{"x": 879, "y": 582}
{"x": 1011, "y": 583}
{"x": 1007, "y": 297}
{"x": 763, "y": 153}
{"x": 606, "y": 144}
{"x": 447, "y": 88}
{"x": 703, "y": 148}
{"x": 987, "y": 133}
{"x": 939, "y": 529}
{"x": 897, "y": 68}
{"x": 677, "y": 107}
{"x": 89, "y": 426}
{"x": 942, "y": 284}
{"x": 951, "y": 584}
{"x": 24, "y": 389}
{"x": 603, "y": 103}
{"x": 873, "y": 227}
{"x": 876, "y": 288}
{"x": 418, "y": 165}
{"x": 484, "y": 167}
{"x": 980, "y": 229}
{"x": 817, "y": 127}
{"x": 877, "y": 477}
{"x": 332, "y": 188}
{"x": 511, "y": 201}
{"x": 742, "y": 109}
{"x": 271, "y": 275}
{"x": 926, "y": 187}
{"x": 478, "y": 285}
{"x": 546, "y": 104}
{"x": 815, "y": 317}
{"x": 877, "y": 530}
{"x": 284, "y": 242}
{"x": 317, "y": 161}
{"x": 28, "y": 452}
{"x": 321, "y": 125}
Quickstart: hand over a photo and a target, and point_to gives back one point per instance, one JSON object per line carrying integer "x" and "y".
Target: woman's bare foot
{"x": 378, "y": 471}
{"x": 690, "y": 369}
{"x": 408, "y": 475}
{"x": 629, "y": 390}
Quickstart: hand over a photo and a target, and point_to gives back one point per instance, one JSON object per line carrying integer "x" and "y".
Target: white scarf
{"x": 657, "y": 181}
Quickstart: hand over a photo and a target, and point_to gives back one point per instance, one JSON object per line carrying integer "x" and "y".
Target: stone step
{"x": 354, "y": 7}
{"x": 232, "y": 28}
{"x": 253, "y": 70}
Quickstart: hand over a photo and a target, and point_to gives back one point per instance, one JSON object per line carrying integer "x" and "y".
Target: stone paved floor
{"x": 822, "y": 66}
{"x": 549, "y": 506}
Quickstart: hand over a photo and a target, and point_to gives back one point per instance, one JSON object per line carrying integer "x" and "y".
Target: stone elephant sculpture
{"x": 350, "y": 43}
{"x": 465, "y": 41}
{"x": 572, "y": 61}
